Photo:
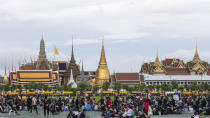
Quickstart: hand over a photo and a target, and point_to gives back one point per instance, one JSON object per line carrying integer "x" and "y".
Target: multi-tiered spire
{"x": 157, "y": 61}
{"x": 42, "y": 62}
{"x": 72, "y": 68}
{"x": 72, "y": 61}
{"x": 196, "y": 57}
{"x": 157, "y": 65}
{"x": 102, "y": 73}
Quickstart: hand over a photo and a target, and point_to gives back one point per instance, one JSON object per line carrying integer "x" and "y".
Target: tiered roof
{"x": 126, "y": 78}
{"x": 173, "y": 66}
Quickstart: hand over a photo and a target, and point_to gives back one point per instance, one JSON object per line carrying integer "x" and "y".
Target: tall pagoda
{"x": 36, "y": 71}
{"x": 102, "y": 73}
{"x": 5, "y": 80}
{"x": 42, "y": 62}
{"x": 72, "y": 68}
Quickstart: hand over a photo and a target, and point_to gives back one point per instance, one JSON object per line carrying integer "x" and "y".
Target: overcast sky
{"x": 133, "y": 30}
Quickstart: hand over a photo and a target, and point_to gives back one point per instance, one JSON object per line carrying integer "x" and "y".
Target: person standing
{"x": 46, "y": 106}
{"x": 29, "y": 104}
{"x": 34, "y": 104}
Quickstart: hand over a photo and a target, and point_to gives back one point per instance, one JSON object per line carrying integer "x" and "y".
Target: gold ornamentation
{"x": 158, "y": 66}
{"x": 5, "y": 80}
{"x": 102, "y": 73}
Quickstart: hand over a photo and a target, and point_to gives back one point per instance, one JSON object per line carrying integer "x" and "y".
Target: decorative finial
{"x": 82, "y": 66}
{"x": 157, "y": 57}
{"x": 103, "y": 41}
{"x": 157, "y": 61}
{"x": 5, "y": 71}
{"x": 103, "y": 57}
{"x": 196, "y": 56}
{"x": 72, "y": 52}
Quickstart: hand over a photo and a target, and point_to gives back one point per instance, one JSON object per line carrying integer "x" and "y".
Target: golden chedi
{"x": 5, "y": 80}
{"x": 102, "y": 73}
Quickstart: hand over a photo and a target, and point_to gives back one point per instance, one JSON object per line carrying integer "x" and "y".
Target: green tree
{"x": 157, "y": 87}
{"x": 117, "y": 86}
{"x": 165, "y": 87}
{"x": 205, "y": 86}
{"x": 7, "y": 87}
{"x": 193, "y": 86}
{"x": 181, "y": 88}
{"x": 150, "y": 87}
{"x": 186, "y": 87}
{"x": 174, "y": 84}
{"x": 1, "y": 87}
{"x": 106, "y": 86}
{"x": 83, "y": 85}
{"x": 95, "y": 89}
{"x": 140, "y": 87}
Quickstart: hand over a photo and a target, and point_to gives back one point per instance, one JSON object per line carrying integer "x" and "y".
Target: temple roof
{"x": 126, "y": 78}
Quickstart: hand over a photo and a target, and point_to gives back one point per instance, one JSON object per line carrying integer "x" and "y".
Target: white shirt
{"x": 130, "y": 112}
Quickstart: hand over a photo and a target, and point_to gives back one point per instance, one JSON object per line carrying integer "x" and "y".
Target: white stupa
{"x": 71, "y": 80}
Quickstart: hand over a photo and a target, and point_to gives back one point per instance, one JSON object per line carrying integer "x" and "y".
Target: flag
{"x": 56, "y": 51}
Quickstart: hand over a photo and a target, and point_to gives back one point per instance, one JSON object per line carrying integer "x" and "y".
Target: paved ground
{"x": 94, "y": 114}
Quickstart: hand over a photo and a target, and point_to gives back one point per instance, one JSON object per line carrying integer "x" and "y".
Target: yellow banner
{"x": 56, "y": 51}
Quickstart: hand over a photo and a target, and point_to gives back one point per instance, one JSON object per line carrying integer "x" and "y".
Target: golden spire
{"x": 103, "y": 57}
{"x": 157, "y": 61}
{"x": 196, "y": 56}
{"x": 5, "y": 80}
{"x": 102, "y": 73}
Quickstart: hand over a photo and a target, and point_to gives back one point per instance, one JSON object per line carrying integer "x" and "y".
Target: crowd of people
{"x": 133, "y": 106}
